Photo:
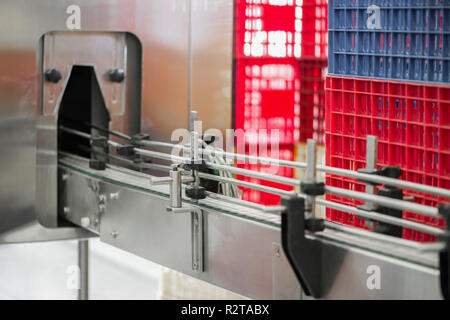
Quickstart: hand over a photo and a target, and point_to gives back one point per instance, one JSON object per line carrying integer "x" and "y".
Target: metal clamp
{"x": 371, "y": 167}
{"x": 176, "y": 206}
{"x": 196, "y": 235}
{"x": 387, "y": 191}
{"x": 304, "y": 255}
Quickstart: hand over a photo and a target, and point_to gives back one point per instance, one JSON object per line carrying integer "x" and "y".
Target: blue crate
{"x": 390, "y": 39}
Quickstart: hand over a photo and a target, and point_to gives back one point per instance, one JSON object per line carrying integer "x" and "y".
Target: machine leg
{"x": 83, "y": 263}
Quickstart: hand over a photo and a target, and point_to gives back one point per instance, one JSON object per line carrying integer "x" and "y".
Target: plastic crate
{"x": 412, "y": 123}
{"x": 285, "y": 152}
{"x": 312, "y": 100}
{"x": 281, "y": 28}
{"x": 398, "y": 39}
{"x": 285, "y": 95}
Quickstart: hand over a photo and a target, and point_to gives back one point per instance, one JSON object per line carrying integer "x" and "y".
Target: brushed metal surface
{"x": 240, "y": 249}
{"x": 64, "y": 51}
{"x": 161, "y": 27}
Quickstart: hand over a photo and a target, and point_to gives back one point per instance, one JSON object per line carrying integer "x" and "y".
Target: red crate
{"x": 281, "y": 28}
{"x": 312, "y": 100}
{"x": 285, "y": 152}
{"x": 412, "y": 123}
{"x": 285, "y": 95}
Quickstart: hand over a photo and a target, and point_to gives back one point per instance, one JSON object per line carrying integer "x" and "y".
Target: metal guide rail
{"x": 202, "y": 180}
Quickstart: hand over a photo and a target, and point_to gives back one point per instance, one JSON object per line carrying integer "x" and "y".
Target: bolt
{"x": 53, "y": 75}
{"x": 114, "y": 195}
{"x": 116, "y": 75}
{"x": 85, "y": 222}
{"x": 66, "y": 211}
{"x": 65, "y": 176}
{"x": 277, "y": 252}
{"x": 114, "y": 234}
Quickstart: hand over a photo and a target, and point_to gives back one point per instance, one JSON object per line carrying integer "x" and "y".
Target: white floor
{"x": 39, "y": 271}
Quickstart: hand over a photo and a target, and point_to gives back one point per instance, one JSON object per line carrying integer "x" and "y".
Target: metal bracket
{"x": 304, "y": 255}
{"x": 444, "y": 256}
{"x": 386, "y": 228}
{"x": 196, "y": 235}
{"x": 176, "y": 206}
{"x": 371, "y": 167}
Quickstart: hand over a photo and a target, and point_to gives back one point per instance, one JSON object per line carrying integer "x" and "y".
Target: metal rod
{"x": 160, "y": 155}
{"x": 175, "y": 187}
{"x": 311, "y": 163}
{"x": 247, "y": 184}
{"x": 255, "y": 174}
{"x": 384, "y": 201}
{"x": 377, "y": 236}
{"x": 371, "y": 163}
{"x": 75, "y": 132}
{"x": 329, "y": 204}
{"x": 299, "y": 165}
{"x": 83, "y": 264}
{"x": 244, "y": 203}
{"x": 190, "y": 56}
{"x": 387, "y": 181}
{"x": 381, "y": 217}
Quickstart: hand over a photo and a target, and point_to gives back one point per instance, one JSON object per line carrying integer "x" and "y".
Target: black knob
{"x": 390, "y": 172}
{"x": 196, "y": 193}
{"x": 52, "y": 75}
{"x": 210, "y": 138}
{"x": 116, "y": 75}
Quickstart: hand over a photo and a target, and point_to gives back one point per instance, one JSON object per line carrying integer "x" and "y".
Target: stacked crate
{"x": 389, "y": 76}
{"x": 280, "y": 62}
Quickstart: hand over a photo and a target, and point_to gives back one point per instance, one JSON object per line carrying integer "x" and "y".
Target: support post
{"x": 83, "y": 264}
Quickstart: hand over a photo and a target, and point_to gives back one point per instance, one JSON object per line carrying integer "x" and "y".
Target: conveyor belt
{"x": 139, "y": 181}
{"x": 396, "y": 248}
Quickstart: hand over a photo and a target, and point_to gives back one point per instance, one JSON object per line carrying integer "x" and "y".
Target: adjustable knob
{"x": 196, "y": 193}
{"x": 116, "y": 75}
{"x": 53, "y": 75}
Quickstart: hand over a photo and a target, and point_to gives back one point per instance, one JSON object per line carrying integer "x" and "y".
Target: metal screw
{"x": 114, "y": 195}
{"x": 65, "y": 176}
{"x": 116, "y": 75}
{"x": 277, "y": 252}
{"x": 102, "y": 198}
{"x": 114, "y": 234}
{"x": 66, "y": 211}
{"x": 85, "y": 222}
{"x": 52, "y": 75}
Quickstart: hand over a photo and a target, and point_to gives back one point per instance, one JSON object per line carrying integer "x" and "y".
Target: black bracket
{"x": 388, "y": 172}
{"x": 386, "y": 228}
{"x": 100, "y": 141}
{"x": 97, "y": 164}
{"x": 444, "y": 255}
{"x": 387, "y": 191}
{"x": 312, "y": 188}
{"x": 304, "y": 255}
{"x": 126, "y": 150}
